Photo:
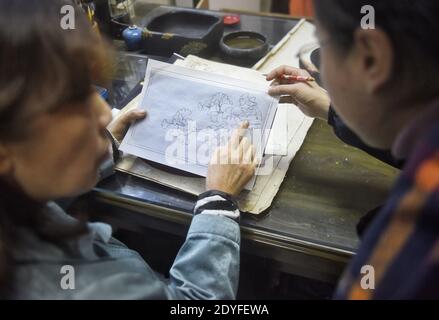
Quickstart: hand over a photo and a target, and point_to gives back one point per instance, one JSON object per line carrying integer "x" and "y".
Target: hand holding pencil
{"x": 294, "y": 78}
{"x": 289, "y": 74}
{"x": 296, "y": 86}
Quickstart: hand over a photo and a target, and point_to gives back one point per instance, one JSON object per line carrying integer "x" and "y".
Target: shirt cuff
{"x": 215, "y": 202}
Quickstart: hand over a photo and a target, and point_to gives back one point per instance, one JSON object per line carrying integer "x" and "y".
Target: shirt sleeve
{"x": 207, "y": 266}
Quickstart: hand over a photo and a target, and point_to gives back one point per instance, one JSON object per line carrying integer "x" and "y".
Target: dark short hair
{"x": 412, "y": 27}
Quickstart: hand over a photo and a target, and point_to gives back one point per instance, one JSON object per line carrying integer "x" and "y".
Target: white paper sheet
{"x": 191, "y": 112}
{"x": 266, "y": 186}
{"x": 277, "y": 141}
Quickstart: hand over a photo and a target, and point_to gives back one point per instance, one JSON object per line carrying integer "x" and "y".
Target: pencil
{"x": 292, "y": 78}
{"x": 296, "y": 78}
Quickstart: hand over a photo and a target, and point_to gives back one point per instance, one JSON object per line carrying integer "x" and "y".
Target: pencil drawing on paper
{"x": 179, "y": 121}
{"x": 250, "y": 111}
{"x": 225, "y": 114}
{"x": 221, "y": 111}
{"x": 197, "y": 114}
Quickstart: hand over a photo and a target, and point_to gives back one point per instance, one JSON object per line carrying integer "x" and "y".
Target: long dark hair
{"x": 412, "y": 27}
{"x": 42, "y": 67}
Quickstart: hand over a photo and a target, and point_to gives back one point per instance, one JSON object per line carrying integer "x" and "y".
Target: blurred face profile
{"x": 61, "y": 154}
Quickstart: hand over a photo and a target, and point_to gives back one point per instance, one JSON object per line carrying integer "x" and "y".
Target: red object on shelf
{"x": 231, "y": 19}
{"x": 301, "y": 8}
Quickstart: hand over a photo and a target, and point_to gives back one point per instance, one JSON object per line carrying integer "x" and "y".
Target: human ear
{"x": 375, "y": 57}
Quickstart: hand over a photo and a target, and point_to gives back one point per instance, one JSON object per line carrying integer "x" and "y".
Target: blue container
{"x": 133, "y": 38}
{"x": 103, "y": 92}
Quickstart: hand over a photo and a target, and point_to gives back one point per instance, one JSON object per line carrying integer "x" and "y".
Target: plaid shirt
{"x": 399, "y": 254}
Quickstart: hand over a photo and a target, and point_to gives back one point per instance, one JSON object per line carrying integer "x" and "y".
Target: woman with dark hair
{"x": 53, "y": 141}
{"x": 383, "y": 91}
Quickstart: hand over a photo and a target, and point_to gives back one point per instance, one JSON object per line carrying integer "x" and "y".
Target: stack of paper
{"x": 290, "y": 126}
